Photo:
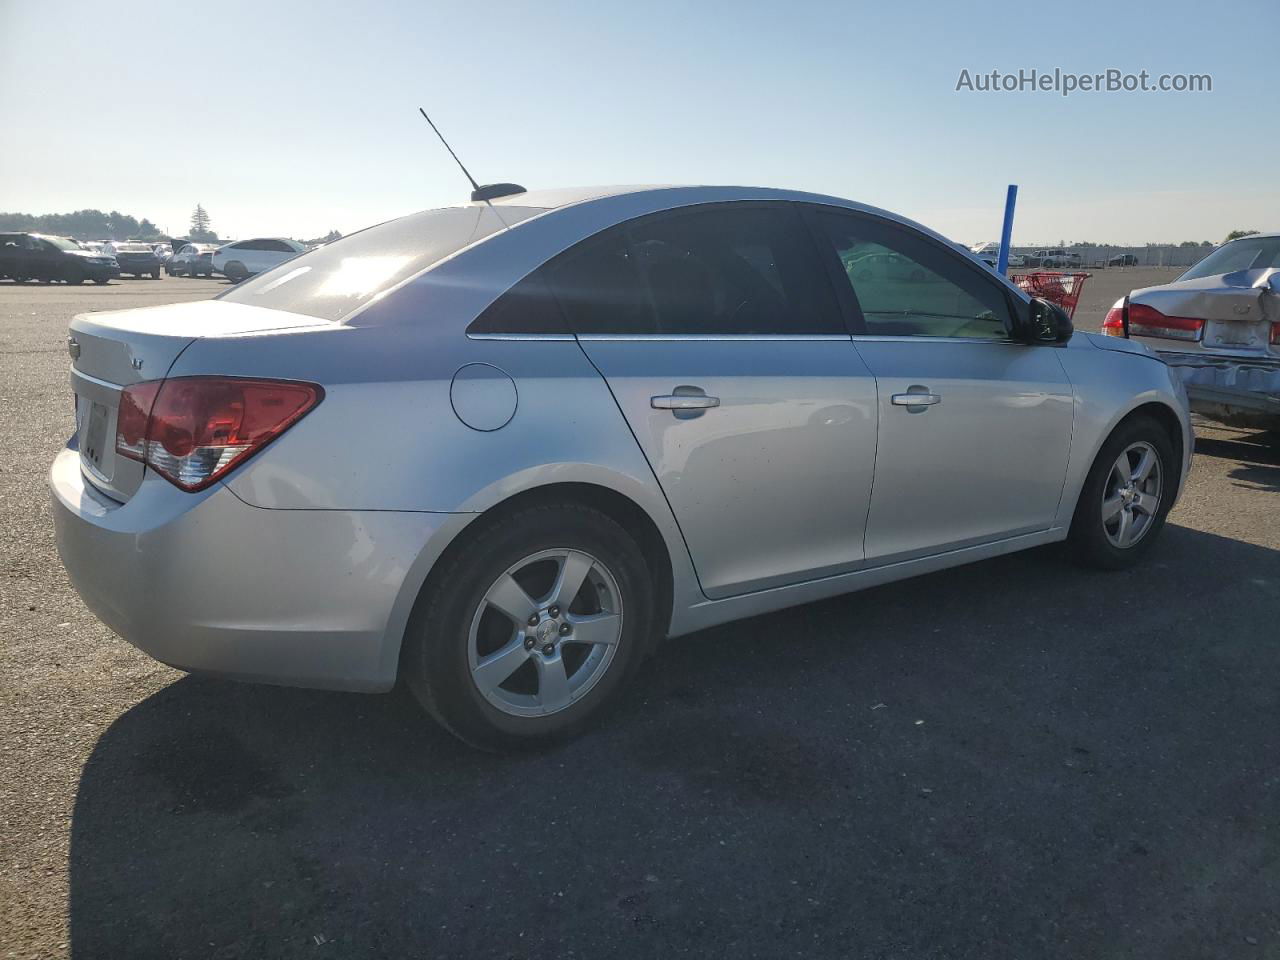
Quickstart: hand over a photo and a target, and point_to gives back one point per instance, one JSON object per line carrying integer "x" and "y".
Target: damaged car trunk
{"x": 1218, "y": 328}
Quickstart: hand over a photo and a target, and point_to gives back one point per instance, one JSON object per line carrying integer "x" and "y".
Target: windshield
{"x": 62, "y": 243}
{"x": 132, "y": 248}
{"x": 1251, "y": 253}
{"x": 332, "y": 282}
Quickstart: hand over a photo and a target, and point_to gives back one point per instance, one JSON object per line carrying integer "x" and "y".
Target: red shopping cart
{"x": 1060, "y": 288}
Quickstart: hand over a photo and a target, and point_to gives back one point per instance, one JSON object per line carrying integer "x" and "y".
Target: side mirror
{"x": 1045, "y": 323}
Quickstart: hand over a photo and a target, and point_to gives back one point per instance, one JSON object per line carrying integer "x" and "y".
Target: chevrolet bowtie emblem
{"x": 137, "y": 363}
{"x": 73, "y": 348}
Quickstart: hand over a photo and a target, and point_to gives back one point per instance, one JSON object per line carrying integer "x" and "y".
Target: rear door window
{"x": 740, "y": 269}
{"x": 734, "y": 269}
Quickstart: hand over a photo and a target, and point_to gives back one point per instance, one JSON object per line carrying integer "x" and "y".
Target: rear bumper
{"x": 1239, "y": 390}
{"x": 207, "y": 583}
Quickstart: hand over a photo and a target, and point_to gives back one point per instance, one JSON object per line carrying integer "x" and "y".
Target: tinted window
{"x": 734, "y": 269}
{"x": 599, "y": 287}
{"x": 906, "y": 285}
{"x": 528, "y": 307}
{"x": 724, "y": 269}
{"x": 336, "y": 279}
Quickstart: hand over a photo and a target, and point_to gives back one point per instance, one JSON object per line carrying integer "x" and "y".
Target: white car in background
{"x": 244, "y": 258}
{"x": 989, "y": 253}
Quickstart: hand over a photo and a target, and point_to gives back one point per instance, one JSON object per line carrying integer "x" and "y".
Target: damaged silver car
{"x": 1218, "y": 328}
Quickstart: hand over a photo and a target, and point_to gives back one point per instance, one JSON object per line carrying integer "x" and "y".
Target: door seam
{"x": 645, "y": 456}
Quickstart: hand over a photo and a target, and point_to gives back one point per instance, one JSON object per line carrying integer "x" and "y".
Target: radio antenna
{"x": 466, "y": 173}
{"x": 490, "y": 191}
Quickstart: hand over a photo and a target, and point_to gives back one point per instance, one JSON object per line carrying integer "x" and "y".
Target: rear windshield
{"x": 133, "y": 248}
{"x": 333, "y": 281}
{"x": 1251, "y": 253}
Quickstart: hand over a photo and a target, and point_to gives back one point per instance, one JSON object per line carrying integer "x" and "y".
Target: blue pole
{"x": 1010, "y": 200}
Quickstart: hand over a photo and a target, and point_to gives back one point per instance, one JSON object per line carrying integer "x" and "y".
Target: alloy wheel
{"x": 545, "y": 632}
{"x": 1131, "y": 495}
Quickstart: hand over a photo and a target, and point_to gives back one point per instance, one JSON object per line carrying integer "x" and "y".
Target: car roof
{"x": 1256, "y": 236}
{"x": 687, "y": 194}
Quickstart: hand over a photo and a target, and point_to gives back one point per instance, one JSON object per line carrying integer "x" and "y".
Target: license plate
{"x": 1233, "y": 334}
{"x": 95, "y": 435}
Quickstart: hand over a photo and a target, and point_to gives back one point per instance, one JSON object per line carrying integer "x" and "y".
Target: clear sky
{"x": 292, "y": 118}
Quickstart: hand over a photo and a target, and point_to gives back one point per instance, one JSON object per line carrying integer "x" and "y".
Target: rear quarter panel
{"x": 386, "y": 436}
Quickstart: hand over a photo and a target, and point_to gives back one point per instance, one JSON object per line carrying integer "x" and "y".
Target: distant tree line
{"x": 83, "y": 225}
{"x": 329, "y": 237}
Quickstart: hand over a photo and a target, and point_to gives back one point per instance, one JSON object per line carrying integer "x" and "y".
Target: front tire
{"x": 527, "y": 632}
{"x": 1126, "y": 496}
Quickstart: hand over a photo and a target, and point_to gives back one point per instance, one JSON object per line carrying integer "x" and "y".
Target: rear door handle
{"x": 685, "y": 402}
{"x": 916, "y": 399}
{"x": 677, "y": 401}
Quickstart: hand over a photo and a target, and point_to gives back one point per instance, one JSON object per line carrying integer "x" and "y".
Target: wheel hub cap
{"x": 548, "y": 630}
{"x": 545, "y": 632}
{"x": 1131, "y": 495}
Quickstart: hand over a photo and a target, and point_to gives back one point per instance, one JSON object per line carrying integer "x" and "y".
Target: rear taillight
{"x": 1113, "y": 325}
{"x": 1147, "y": 321}
{"x": 195, "y": 430}
{"x": 1275, "y": 334}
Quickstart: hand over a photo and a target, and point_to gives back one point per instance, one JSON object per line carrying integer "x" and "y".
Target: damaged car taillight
{"x": 195, "y": 430}
{"x": 1145, "y": 321}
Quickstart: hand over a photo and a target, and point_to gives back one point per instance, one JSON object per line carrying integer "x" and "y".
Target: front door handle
{"x": 917, "y": 399}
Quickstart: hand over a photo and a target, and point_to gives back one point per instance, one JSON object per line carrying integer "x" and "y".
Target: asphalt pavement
{"x": 1015, "y": 759}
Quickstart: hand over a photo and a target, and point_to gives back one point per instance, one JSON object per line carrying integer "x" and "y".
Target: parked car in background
{"x": 136, "y": 258}
{"x": 245, "y": 258}
{"x": 193, "y": 260}
{"x": 163, "y": 252}
{"x": 353, "y": 494}
{"x": 1218, "y": 328}
{"x": 93, "y": 246}
{"x": 34, "y": 256}
{"x": 1056, "y": 258}
{"x": 989, "y": 253}
{"x": 1123, "y": 260}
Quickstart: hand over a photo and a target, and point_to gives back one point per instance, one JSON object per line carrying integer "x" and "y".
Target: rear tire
{"x": 155, "y": 274}
{"x": 235, "y": 271}
{"x": 1117, "y": 520}
{"x": 552, "y": 681}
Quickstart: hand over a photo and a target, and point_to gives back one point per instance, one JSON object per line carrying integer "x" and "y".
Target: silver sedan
{"x": 501, "y": 449}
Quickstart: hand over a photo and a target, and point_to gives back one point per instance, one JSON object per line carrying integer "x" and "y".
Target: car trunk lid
{"x": 1238, "y": 310}
{"x": 111, "y": 351}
